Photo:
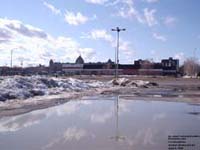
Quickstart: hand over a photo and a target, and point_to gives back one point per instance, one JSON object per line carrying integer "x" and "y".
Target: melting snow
{"x": 20, "y": 87}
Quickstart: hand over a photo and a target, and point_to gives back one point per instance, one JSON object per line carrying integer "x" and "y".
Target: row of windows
{"x": 169, "y": 64}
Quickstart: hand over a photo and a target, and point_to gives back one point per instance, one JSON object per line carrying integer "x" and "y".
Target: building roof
{"x": 79, "y": 60}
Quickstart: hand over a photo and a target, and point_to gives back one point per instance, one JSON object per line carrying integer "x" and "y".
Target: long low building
{"x": 139, "y": 67}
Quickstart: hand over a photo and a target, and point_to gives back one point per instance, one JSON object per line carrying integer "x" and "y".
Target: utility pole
{"x": 11, "y": 57}
{"x": 117, "y": 50}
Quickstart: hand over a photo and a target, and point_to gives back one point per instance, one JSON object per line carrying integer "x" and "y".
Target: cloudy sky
{"x": 39, "y": 30}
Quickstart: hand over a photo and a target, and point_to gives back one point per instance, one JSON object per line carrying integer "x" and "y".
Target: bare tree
{"x": 191, "y": 66}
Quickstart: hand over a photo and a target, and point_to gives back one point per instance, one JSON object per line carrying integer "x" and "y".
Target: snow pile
{"x": 128, "y": 82}
{"x": 189, "y": 77}
{"x": 18, "y": 87}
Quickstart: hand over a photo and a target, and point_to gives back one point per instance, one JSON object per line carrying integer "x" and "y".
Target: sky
{"x": 39, "y": 30}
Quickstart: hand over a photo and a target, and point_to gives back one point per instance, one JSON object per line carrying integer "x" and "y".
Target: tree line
{"x": 191, "y": 67}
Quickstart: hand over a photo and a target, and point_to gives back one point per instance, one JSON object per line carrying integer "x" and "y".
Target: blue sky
{"x": 39, "y": 30}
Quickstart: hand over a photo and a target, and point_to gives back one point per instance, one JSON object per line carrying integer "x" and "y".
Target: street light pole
{"x": 117, "y": 51}
{"x": 11, "y": 57}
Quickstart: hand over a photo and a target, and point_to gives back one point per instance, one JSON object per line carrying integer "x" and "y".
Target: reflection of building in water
{"x": 117, "y": 136}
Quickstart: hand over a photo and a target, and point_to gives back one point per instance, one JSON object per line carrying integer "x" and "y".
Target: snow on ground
{"x": 128, "y": 82}
{"x": 20, "y": 87}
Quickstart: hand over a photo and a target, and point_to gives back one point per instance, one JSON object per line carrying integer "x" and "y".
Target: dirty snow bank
{"x": 135, "y": 83}
{"x": 19, "y": 87}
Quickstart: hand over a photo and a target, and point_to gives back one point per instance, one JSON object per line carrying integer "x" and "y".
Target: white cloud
{"x": 170, "y": 21}
{"x": 75, "y": 18}
{"x": 52, "y": 8}
{"x": 101, "y": 34}
{"x": 159, "y": 37}
{"x": 125, "y": 47}
{"x": 96, "y": 1}
{"x": 150, "y": 17}
{"x": 9, "y": 27}
{"x": 5, "y": 35}
{"x": 130, "y": 12}
{"x": 152, "y": 1}
{"x": 127, "y": 10}
{"x": 34, "y": 46}
{"x": 180, "y": 56}
{"x": 87, "y": 53}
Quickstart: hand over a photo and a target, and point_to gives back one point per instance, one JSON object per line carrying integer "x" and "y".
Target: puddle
{"x": 103, "y": 124}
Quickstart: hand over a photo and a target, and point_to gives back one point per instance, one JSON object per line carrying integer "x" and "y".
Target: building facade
{"x": 79, "y": 67}
{"x": 140, "y": 67}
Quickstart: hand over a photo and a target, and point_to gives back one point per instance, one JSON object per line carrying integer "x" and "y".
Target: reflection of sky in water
{"x": 91, "y": 124}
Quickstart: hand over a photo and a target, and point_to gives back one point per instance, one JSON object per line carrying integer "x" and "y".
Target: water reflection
{"x": 195, "y": 109}
{"x": 13, "y": 124}
{"x": 69, "y": 134}
{"x": 117, "y": 136}
{"x": 108, "y": 123}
